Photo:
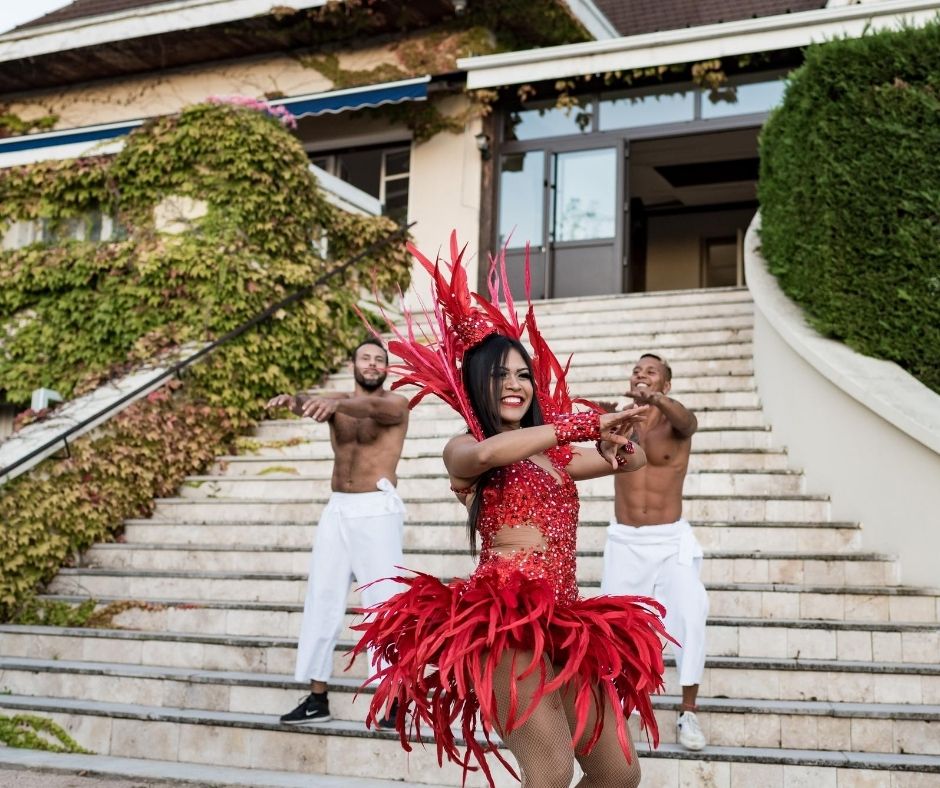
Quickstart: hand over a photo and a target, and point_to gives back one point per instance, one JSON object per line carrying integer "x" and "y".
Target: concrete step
{"x": 446, "y": 422}
{"x": 633, "y": 311}
{"x": 601, "y": 351}
{"x": 432, "y": 535}
{"x": 837, "y": 681}
{"x": 701, "y": 343}
{"x": 726, "y": 438}
{"x": 282, "y": 484}
{"x": 872, "y": 727}
{"x": 858, "y": 569}
{"x": 727, "y": 636}
{"x": 800, "y": 679}
{"x": 652, "y": 300}
{"x": 752, "y": 508}
{"x": 604, "y": 382}
{"x": 618, "y": 366}
{"x": 655, "y": 322}
{"x": 338, "y": 748}
{"x": 67, "y": 770}
{"x": 293, "y": 460}
{"x": 753, "y": 600}
{"x": 698, "y": 401}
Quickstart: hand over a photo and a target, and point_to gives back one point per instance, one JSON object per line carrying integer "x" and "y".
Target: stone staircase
{"x": 823, "y": 669}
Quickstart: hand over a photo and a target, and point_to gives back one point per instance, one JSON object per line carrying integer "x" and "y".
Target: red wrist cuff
{"x": 574, "y": 427}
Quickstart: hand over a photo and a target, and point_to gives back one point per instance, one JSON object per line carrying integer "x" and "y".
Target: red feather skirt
{"x": 436, "y": 647}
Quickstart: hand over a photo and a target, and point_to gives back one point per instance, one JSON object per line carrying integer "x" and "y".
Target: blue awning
{"x": 356, "y": 98}
{"x": 51, "y": 139}
{"x": 68, "y": 143}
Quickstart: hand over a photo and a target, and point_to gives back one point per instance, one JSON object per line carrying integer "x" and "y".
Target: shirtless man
{"x": 360, "y": 530}
{"x": 650, "y": 547}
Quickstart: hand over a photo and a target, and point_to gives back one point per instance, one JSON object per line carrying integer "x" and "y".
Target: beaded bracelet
{"x": 622, "y": 460}
{"x": 574, "y": 427}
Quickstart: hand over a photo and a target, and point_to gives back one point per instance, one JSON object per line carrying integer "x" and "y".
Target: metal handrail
{"x": 151, "y": 384}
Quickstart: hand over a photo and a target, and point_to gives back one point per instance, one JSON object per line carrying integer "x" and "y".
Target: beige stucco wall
{"x": 444, "y": 194}
{"x": 147, "y": 95}
{"x": 674, "y": 256}
{"x": 864, "y": 431}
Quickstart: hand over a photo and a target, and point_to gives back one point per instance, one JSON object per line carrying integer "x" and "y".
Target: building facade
{"x": 618, "y": 139}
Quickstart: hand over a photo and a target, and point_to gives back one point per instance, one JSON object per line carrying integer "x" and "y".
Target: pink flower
{"x": 279, "y": 113}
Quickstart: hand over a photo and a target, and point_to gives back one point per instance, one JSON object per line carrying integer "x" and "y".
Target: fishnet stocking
{"x": 605, "y": 765}
{"x": 543, "y": 746}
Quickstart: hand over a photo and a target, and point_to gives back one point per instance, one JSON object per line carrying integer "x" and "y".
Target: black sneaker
{"x": 313, "y": 709}
{"x": 390, "y": 720}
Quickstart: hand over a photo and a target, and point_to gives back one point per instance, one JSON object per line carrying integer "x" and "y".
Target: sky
{"x": 15, "y": 12}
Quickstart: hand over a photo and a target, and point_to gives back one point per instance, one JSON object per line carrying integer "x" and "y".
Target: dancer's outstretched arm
{"x": 466, "y": 458}
{"x": 590, "y": 464}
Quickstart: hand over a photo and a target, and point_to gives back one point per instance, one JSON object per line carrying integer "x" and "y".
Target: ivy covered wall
{"x": 74, "y": 313}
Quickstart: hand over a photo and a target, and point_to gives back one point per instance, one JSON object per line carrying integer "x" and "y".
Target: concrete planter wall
{"x": 864, "y": 430}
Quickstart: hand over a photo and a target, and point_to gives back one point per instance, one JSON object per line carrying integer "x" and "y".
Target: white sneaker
{"x": 689, "y": 732}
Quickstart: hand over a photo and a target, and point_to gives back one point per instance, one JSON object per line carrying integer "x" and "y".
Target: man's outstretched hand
{"x": 319, "y": 408}
{"x": 281, "y": 401}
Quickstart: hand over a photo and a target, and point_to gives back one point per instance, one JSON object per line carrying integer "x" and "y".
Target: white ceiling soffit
{"x": 689, "y": 45}
{"x": 134, "y": 23}
{"x": 593, "y": 19}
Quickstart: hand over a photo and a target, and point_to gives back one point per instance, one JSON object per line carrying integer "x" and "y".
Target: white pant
{"x": 663, "y": 561}
{"x": 359, "y": 536}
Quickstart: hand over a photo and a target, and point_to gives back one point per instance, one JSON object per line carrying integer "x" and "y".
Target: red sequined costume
{"x": 439, "y": 643}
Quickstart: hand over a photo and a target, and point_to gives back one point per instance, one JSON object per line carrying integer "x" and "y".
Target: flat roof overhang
{"x": 169, "y": 35}
{"x": 690, "y": 45}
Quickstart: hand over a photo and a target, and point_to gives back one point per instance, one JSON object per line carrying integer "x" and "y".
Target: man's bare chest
{"x": 348, "y": 430}
{"x": 662, "y": 448}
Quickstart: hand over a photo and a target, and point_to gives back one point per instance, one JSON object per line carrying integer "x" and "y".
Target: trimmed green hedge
{"x": 850, "y": 195}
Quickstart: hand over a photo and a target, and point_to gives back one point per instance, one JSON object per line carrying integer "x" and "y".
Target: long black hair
{"x": 483, "y": 383}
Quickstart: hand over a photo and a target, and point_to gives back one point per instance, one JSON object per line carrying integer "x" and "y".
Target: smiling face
{"x": 370, "y": 366}
{"x": 515, "y": 391}
{"x": 649, "y": 374}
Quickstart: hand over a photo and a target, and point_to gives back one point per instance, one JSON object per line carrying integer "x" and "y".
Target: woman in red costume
{"x": 514, "y": 648}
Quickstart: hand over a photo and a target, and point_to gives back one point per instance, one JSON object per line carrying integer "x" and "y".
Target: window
{"x": 585, "y": 195}
{"x": 520, "y": 197}
{"x": 90, "y": 226}
{"x": 543, "y": 119}
{"x": 396, "y": 167}
{"x": 382, "y": 172}
{"x": 749, "y": 97}
{"x": 649, "y": 108}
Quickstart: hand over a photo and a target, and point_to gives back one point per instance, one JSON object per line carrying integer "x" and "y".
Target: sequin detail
{"x": 526, "y": 494}
{"x": 573, "y": 427}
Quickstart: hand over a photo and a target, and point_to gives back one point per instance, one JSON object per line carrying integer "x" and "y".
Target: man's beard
{"x": 369, "y": 385}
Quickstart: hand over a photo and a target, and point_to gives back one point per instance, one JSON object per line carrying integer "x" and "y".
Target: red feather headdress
{"x": 460, "y": 320}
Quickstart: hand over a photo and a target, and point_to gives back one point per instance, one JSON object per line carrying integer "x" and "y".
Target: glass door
{"x": 570, "y": 205}
{"x": 586, "y": 222}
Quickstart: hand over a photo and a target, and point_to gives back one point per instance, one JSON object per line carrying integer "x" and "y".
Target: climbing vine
{"x": 711, "y": 75}
{"x": 249, "y": 222}
{"x": 37, "y": 733}
{"x": 12, "y": 124}
{"x": 78, "y": 312}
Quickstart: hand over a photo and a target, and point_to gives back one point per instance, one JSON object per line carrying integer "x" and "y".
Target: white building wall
{"x": 863, "y": 430}
{"x": 444, "y": 195}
